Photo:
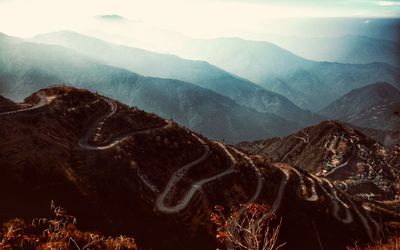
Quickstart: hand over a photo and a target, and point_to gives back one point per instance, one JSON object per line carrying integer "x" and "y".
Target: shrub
{"x": 251, "y": 227}
{"x": 57, "y": 232}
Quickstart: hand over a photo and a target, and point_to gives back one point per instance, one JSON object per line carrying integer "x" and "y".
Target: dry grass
{"x": 58, "y": 232}
{"x": 392, "y": 243}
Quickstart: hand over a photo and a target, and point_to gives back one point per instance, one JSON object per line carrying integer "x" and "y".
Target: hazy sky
{"x": 200, "y": 18}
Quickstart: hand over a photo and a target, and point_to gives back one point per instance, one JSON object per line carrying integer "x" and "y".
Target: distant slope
{"x": 389, "y": 138}
{"x": 338, "y": 152}
{"x": 27, "y": 67}
{"x": 372, "y": 106}
{"x": 200, "y": 73}
{"x": 309, "y": 84}
{"x": 343, "y": 49}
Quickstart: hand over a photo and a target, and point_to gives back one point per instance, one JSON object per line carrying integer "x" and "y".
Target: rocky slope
{"x": 123, "y": 171}
{"x": 372, "y": 106}
{"x": 27, "y": 67}
{"x": 358, "y": 164}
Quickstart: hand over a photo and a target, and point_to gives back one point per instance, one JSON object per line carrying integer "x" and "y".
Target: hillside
{"x": 372, "y": 106}
{"x": 27, "y": 67}
{"x": 137, "y": 174}
{"x": 354, "y": 161}
{"x": 6, "y": 104}
{"x": 309, "y": 84}
{"x": 200, "y": 73}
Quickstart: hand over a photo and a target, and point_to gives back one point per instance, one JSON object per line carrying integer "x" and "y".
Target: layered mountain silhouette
{"x": 26, "y": 67}
{"x": 200, "y": 73}
{"x": 309, "y": 84}
{"x": 343, "y": 49}
{"x": 372, "y": 106}
{"x": 357, "y": 163}
{"x": 122, "y": 170}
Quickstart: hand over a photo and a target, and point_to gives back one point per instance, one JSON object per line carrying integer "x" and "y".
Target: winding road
{"x": 337, "y": 203}
{"x": 43, "y": 101}
{"x": 84, "y": 141}
{"x": 282, "y": 186}
{"x": 324, "y": 184}
{"x": 260, "y": 179}
{"x": 178, "y": 174}
{"x": 303, "y": 192}
{"x": 336, "y": 168}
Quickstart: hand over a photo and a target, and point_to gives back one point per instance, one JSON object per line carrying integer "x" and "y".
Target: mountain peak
{"x": 371, "y": 106}
{"x": 111, "y": 18}
{"x": 383, "y": 89}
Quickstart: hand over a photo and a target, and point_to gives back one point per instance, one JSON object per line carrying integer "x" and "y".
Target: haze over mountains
{"x": 200, "y": 73}
{"x": 311, "y": 85}
{"x": 308, "y": 84}
{"x": 372, "y": 106}
{"x": 343, "y": 49}
{"x": 27, "y": 67}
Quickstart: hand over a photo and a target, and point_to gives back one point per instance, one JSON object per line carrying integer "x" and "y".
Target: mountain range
{"x": 200, "y": 73}
{"x": 27, "y": 67}
{"x": 343, "y": 49}
{"x": 309, "y": 84}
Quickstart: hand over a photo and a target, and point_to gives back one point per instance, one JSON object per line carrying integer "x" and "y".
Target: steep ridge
{"x": 309, "y": 84}
{"x": 200, "y": 73}
{"x": 355, "y": 162}
{"x": 7, "y": 104}
{"x": 136, "y": 173}
{"x": 27, "y": 67}
{"x": 372, "y": 106}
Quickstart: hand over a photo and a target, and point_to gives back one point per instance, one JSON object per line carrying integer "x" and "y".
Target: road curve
{"x": 286, "y": 176}
{"x": 177, "y": 176}
{"x": 42, "y": 102}
{"x": 303, "y": 191}
{"x": 367, "y": 221}
{"x": 260, "y": 179}
{"x": 336, "y": 168}
{"x": 84, "y": 141}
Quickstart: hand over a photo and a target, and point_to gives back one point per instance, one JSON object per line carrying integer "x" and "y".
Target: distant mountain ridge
{"x": 309, "y": 84}
{"x": 372, "y": 106}
{"x": 344, "y": 49}
{"x": 200, "y": 73}
{"x": 27, "y": 67}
